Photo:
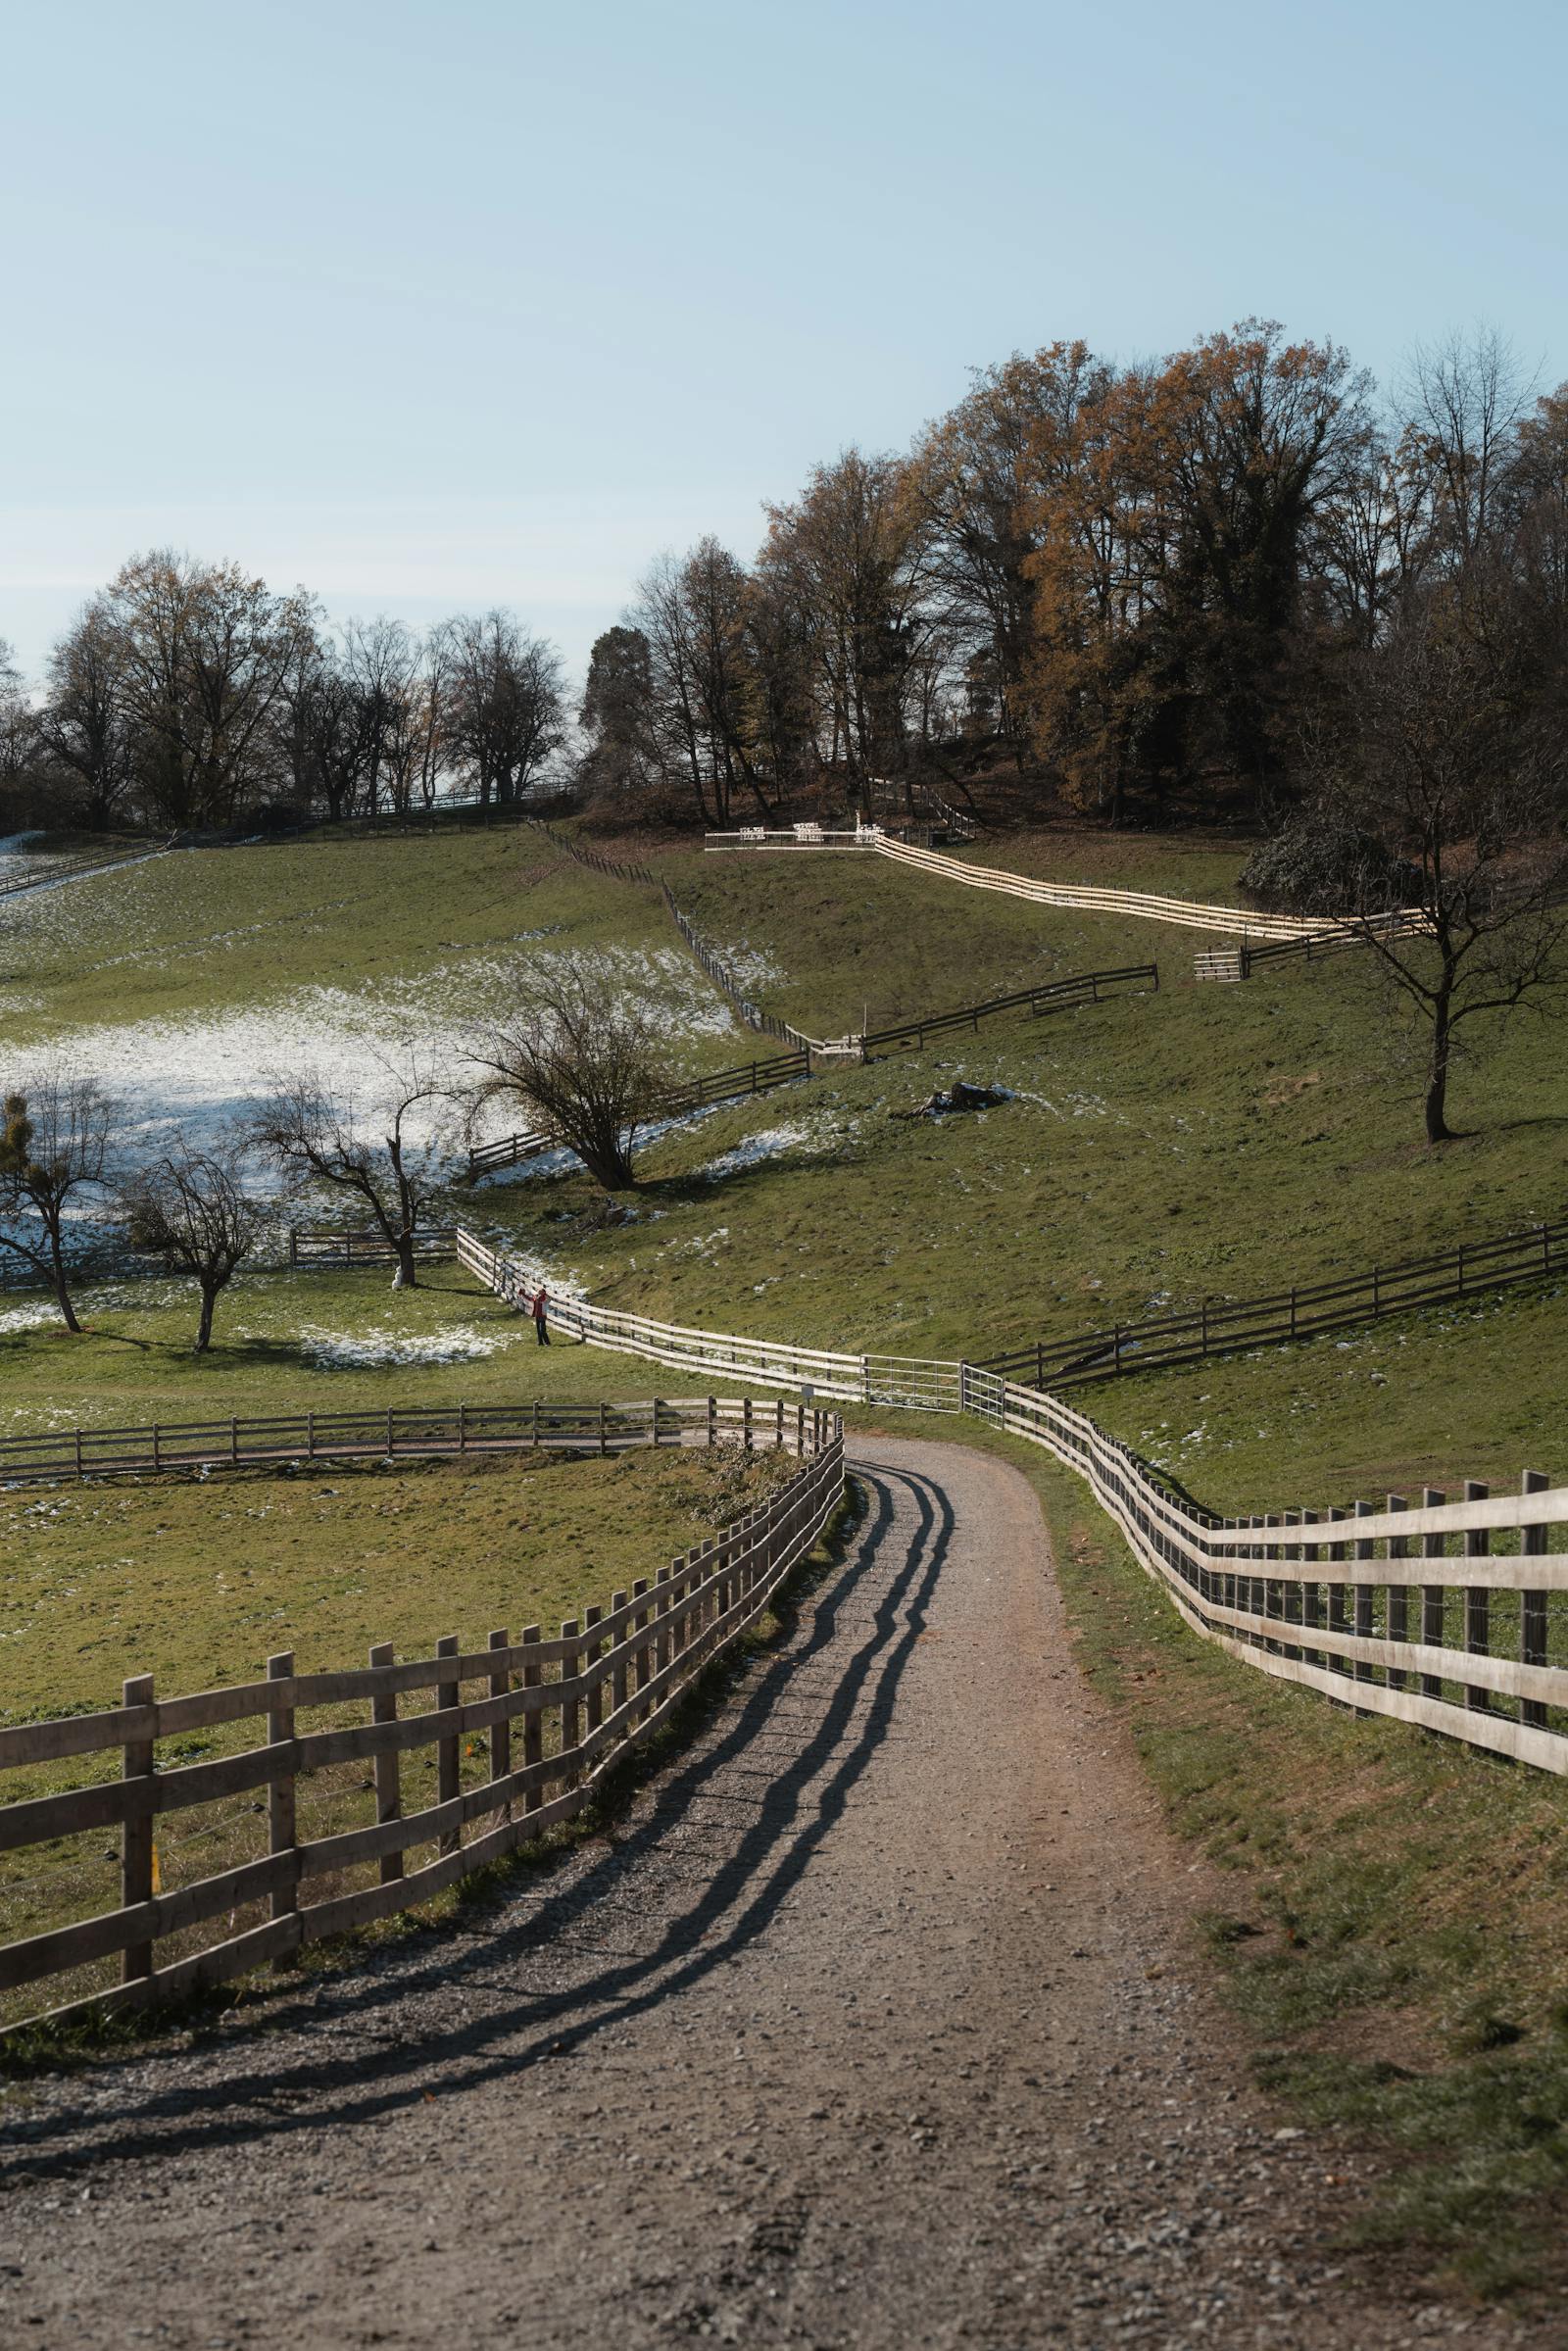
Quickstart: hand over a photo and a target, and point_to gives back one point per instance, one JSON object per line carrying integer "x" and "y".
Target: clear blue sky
{"x": 438, "y": 306}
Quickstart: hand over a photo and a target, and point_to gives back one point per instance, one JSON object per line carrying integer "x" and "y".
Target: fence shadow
{"x": 159, "y": 2110}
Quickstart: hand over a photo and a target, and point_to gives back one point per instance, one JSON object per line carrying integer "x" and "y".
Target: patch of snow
{"x": 766, "y": 1143}
{"x": 340, "y": 1350}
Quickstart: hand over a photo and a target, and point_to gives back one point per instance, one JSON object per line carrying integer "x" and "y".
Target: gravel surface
{"x": 878, "y": 2022}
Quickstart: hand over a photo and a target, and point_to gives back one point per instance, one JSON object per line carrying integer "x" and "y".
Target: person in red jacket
{"x": 540, "y": 1328}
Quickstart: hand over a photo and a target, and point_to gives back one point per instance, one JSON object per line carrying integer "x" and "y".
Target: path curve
{"x": 875, "y": 2025}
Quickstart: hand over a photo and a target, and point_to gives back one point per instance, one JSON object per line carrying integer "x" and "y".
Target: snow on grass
{"x": 367, "y": 1349}
{"x": 768, "y": 1143}
{"x": 200, "y": 1072}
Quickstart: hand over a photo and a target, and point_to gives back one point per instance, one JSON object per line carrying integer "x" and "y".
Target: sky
{"x": 434, "y": 308}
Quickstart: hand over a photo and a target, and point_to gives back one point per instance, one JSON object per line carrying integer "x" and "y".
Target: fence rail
{"x": 1239, "y": 963}
{"x": 1448, "y": 1615}
{"x": 1458, "y": 1676}
{"x": 1187, "y": 912}
{"x": 720, "y": 1086}
{"x": 1052, "y": 996}
{"x": 332, "y": 1246}
{"x": 389, "y": 1432}
{"x": 914, "y": 1382}
{"x": 573, "y": 1705}
{"x": 1225, "y": 1325}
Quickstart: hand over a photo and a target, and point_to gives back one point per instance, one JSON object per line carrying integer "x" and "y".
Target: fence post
{"x": 1532, "y": 1605}
{"x": 1432, "y": 1595}
{"x": 570, "y": 1713}
{"x": 283, "y": 1833}
{"x": 388, "y": 1773}
{"x": 501, "y": 1732}
{"x": 533, "y": 1723}
{"x": 662, "y": 1649}
{"x": 746, "y": 1415}
{"x": 618, "y": 1690}
{"x": 642, "y": 1658}
{"x": 136, "y": 1832}
{"x": 1477, "y": 1598}
{"x": 595, "y": 1649}
{"x": 712, "y": 1420}
{"x": 604, "y": 1437}
{"x": 963, "y": 1385}
{"x": 462, "y": 1440}
{"x": 1399, "y": 1594}
{"x": 446, "y": 1750}
{"x": 1363, "y": 1594}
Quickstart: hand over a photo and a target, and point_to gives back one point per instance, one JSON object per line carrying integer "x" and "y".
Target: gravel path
{"x": 877, "y": 2023}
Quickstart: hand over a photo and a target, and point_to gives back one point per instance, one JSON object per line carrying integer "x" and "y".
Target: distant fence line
{"x": 1221, "y": 1326}
{"x": 575, "y": 1706}
{"x": 1327, "y": 1608}
{"x": 395, "y": 1433}
{"x": 1187, "y": 912}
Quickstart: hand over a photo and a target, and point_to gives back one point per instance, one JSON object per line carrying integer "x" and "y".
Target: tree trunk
{"x": 1437, "y": 1102}
{"x": 63, "y": 1296}
{"x": 610, "y": 1168}
{"x": 407, "y": 1276}
{"x": 204, "y": 1328}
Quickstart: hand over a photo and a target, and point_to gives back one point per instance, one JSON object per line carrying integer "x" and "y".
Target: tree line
{"x": 1148, "y": 588}
{"x": 189, "y": 696}
{"x": 1152, "y": 586}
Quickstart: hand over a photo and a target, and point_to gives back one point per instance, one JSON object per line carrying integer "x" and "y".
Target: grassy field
{"x": 1392, "y": 1925}
{"x": 1399, "y": 1912}
{"x": 198, "y": 1580}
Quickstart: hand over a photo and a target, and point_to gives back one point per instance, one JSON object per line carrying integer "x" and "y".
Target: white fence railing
{"x": 1190, "y": 913}
{"x": 1449, "y": 1615}
{"x": 916, "y": 1383}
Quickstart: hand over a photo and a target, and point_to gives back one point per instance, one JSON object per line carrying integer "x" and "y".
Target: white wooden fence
{"x": 1473, "y": 1641}
{"x": 1235, "y": 921}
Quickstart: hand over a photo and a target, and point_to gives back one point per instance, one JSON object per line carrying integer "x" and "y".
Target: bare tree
{"x": 1466, "y": 394}
{"x": 84, "y": 724}
{"x": 1453, "y": 776}
{"x": 505, "y": 705}
{"x": 322, "y": 1139}
{"x": 583, "y": 1057}
{"x": 54, "y": 1145}
{"x": 191, "y": 1210}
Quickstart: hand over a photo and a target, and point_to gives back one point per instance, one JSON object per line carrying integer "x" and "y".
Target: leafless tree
{"x": 1456, "y": 780}
{"x": 1466, "y": 394}
{"x": 84, "y": 724}
{"x": 190, "y": 1208}
{"x": 54, "y": 1146}
{"x": 504, "y": 706}
{"x": 584, "y": 1059}
{"x": 320, "y": 1138}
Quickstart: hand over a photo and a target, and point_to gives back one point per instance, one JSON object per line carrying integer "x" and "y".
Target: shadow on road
{"x": 299, "y": 2078}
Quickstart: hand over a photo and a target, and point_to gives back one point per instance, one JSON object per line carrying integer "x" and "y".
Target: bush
{"x": 1314, "y": 866}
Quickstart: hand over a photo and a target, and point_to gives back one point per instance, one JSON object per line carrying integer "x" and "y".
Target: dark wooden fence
{"x": 332, "y": 1246}
{"x": 1054, "y": 996}
{"x": 1222, "y": 1326}
{"x": 521, "y": 1731}
{"x": 392, "y": 1433}
{"x": 718, "y": 1086}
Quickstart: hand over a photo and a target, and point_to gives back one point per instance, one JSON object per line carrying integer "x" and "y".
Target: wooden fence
{"x": 1222, "y": 1326}
{"x": 718, "y": 1086}
{"x": 914, "y": 1382}
{"x": 1490, "y": 1662}
{"x": 546, "y": 1718}
{"x": 1449, "y": 1615}
{"x": 1187, "y": 912}
{"x": 328, "y": 1246}
{"x": 1231, "y": 963}
{"x": 389, "y": 1432}
{"x": 1052, "y": 996}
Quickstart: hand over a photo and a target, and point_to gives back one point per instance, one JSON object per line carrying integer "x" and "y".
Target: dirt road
{"x": 874, "y": 2025}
